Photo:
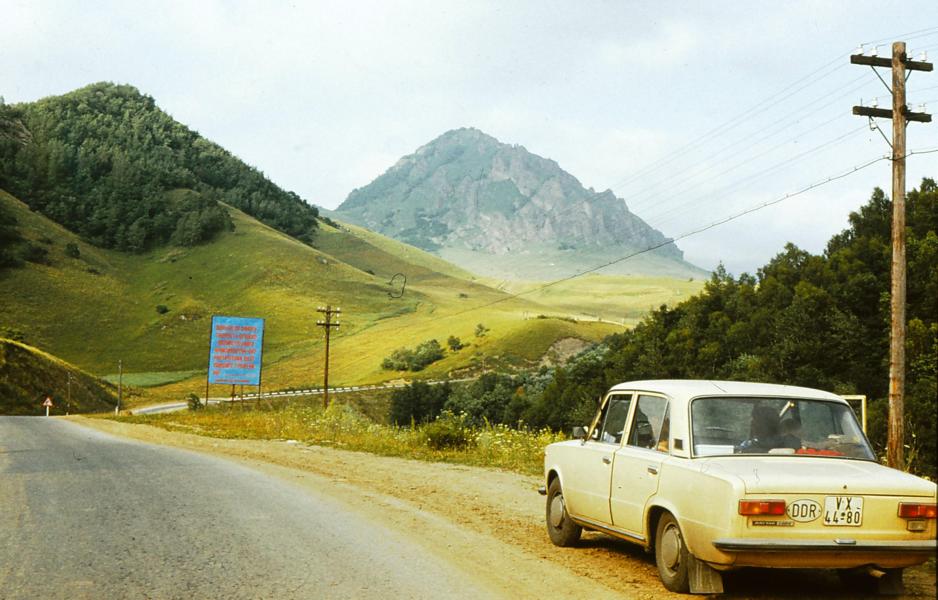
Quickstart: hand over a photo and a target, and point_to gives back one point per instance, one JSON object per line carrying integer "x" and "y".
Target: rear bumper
{"x": 924, "y": 547}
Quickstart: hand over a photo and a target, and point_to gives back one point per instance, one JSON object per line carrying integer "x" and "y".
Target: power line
{"x": 762, "y": 173}
{"x": 677, "y": 194}
{"x": 731, "y": 123}
{"x": 685, "y": 235}
{"x": 778, "y": 127}
{"x": 692, "y": 176}
{"x": 761, "y": 106}
{"x": 909, "y": 35}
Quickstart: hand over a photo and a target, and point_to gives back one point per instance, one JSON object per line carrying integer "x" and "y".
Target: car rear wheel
{"x": 671, "y": 555}
{"x": 561, "y": 529}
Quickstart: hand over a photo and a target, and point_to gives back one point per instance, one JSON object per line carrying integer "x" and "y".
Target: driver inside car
{"x": 763, "y": 431}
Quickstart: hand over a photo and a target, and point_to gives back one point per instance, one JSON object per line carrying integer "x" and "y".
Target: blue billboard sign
{"x": 235, "y": 354}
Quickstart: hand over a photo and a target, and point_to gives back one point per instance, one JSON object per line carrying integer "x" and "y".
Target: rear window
{"x": 726, "y": 426}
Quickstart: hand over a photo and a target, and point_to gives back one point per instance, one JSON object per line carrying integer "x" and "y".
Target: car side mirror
{"x": 579, "y": 433}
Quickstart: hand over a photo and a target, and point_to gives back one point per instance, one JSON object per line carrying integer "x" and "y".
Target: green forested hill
{"x": 814, "y": 320}
{"x": 108, "y": 164}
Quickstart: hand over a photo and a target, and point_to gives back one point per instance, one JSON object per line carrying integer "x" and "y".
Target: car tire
{"x": 672, "y": 555}
{"x": 561, "y": 529}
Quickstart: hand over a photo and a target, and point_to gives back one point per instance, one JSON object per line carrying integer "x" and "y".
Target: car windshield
{"x": 723, "y": 426}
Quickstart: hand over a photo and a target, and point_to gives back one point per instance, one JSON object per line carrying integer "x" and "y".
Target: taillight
{"x": 917, "y": 511}
{"x": 762, "y": 507}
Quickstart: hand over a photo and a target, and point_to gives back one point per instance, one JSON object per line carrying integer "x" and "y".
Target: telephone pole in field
{"x": 900, "y": 115}
{"x": 120, "y": 386}
{"x": 327, "y": 323}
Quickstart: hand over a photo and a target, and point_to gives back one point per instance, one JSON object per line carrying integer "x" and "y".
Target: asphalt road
{"x": 87, "y": 515}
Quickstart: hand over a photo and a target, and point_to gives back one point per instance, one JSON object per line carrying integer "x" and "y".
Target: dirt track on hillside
{"x": 489, "y": 523}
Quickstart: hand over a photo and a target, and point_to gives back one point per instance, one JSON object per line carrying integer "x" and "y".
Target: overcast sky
{"x": 690, "y": 111}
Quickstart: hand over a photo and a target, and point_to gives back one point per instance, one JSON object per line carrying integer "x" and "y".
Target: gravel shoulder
{"x": 487, "y": 522}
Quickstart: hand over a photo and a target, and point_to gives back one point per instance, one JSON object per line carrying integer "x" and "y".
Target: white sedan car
{"x": 716, "y": 475}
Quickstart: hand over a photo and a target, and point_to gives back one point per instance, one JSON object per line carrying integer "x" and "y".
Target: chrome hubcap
{"x": 556, "y": 510}
{"x": 671, "y": 547}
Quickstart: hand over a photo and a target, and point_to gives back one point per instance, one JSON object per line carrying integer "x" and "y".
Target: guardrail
{"x": 176, "y": 406}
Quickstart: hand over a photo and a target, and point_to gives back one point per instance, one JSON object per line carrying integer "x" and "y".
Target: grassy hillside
{"x": 545, "y": 262}
{"x": 618, "y": 299}
{"x": 28, "y": 375}
{"x": 102, "y": 306}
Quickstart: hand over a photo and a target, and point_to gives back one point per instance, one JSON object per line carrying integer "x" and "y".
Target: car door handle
{"x": 653, "y": 470}
{"x": 607, "y": 460}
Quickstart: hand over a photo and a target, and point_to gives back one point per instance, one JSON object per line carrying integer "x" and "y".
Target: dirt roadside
{"x": 488, "y": 523}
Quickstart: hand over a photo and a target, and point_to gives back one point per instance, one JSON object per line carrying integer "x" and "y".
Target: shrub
{"x": 194, "y": 402}
{"x": 405, "y": 359}
{"x": 481, "y": 330}
{"x": 454, "y": 343}
{"x": 449, "y": 432}
{"x": 71, "y": 250}
{"x": 34, "y": 254}
{"x": 162, "y": 309}
{"x": 418, "y": 403}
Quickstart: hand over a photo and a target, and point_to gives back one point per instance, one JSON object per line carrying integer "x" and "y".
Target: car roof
{"x": 691, "y": 388}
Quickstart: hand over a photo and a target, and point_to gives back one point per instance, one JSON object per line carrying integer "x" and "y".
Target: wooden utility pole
{"x": 327, "y": 323}
{"x": 68, "y": 396}
{"x": 120, "y": 386}
{"x": 900, "y": 116}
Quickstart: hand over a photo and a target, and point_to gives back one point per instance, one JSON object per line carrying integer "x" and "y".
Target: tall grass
{"x": 448, "y": 439}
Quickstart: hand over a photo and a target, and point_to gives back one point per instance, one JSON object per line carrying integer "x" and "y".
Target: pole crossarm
{"x": 886, "y": 63}
{"x": 882, "y": 113}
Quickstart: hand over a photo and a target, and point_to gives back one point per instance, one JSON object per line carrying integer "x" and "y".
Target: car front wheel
{"x": 561, "y": 529}
{"x": 671, "y": 555}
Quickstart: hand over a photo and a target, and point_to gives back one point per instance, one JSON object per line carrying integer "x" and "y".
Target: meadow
{"x": 151, "y": 311}
{"x": 448, "y": 439}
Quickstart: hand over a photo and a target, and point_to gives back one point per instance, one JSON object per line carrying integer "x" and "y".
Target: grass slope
{"x": 28, "y": 375}
{"x": 545, "y": 262}
{"x": 613, "y": 298}
{"x": 102, "y": 306}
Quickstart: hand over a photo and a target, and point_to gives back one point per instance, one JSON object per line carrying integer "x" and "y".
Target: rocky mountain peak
{"x": 465, "y": 190}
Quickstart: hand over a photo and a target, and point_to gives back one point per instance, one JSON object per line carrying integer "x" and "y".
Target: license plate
{"x": 843, "y": 511}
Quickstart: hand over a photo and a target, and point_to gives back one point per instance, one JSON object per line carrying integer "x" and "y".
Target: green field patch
{"x": 153, "y": 378}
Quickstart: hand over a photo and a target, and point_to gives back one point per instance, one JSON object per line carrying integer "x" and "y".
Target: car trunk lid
{"x": 804, "y": 475}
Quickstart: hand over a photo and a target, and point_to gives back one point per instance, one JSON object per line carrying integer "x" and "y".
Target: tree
{"x": 454, "y": 343}
{"x": 814, "y": 320}
{"x": 418, "y": 402}
{"x": 405, "y": 359}
{"x": 481, "y": 330}
{"x": 109, "y": 165}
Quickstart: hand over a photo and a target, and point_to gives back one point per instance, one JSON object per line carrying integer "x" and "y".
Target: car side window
{"x": 650, "y": 424}
{"x": 613, "y": 424}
